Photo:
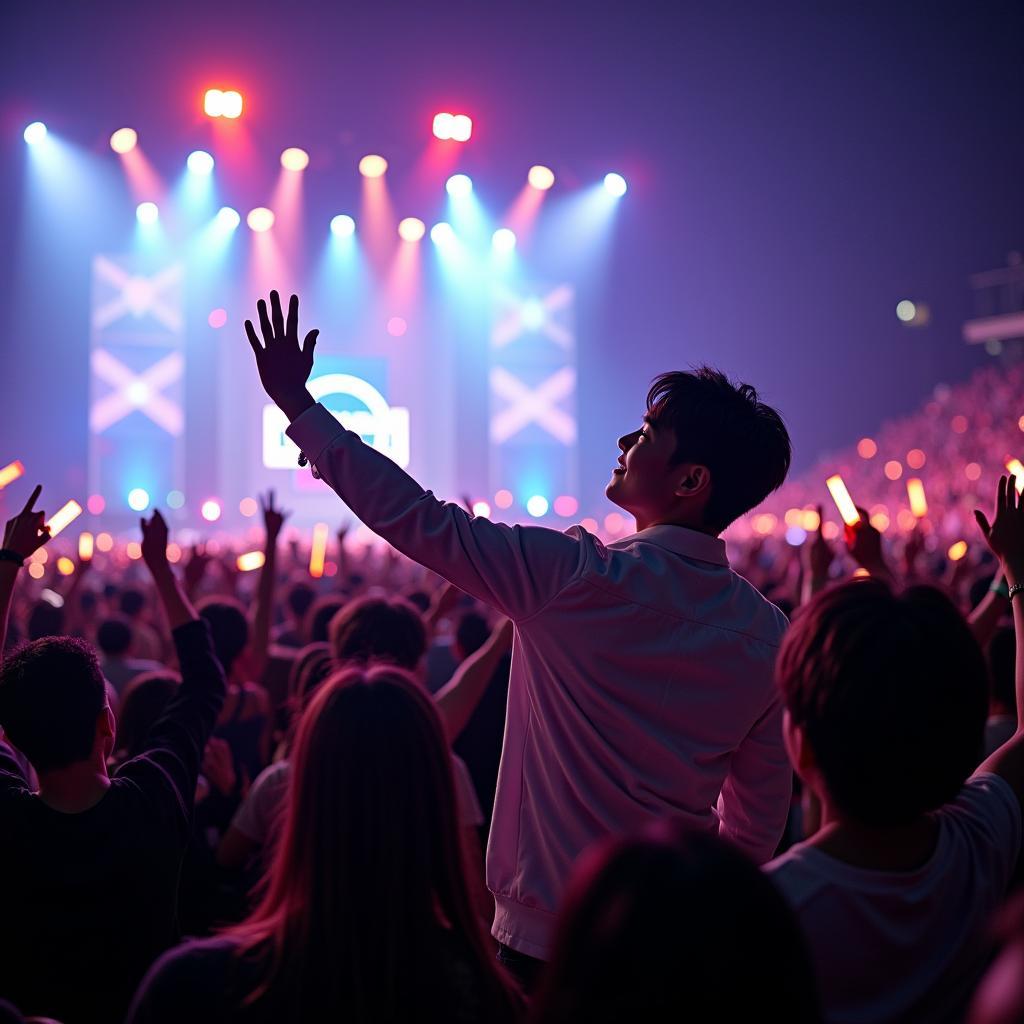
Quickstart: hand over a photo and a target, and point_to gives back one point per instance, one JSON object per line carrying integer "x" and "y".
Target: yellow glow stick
{"x": 251, "y": 560}
{"x": 318, "y": 552}
{"x": 85, "y": 546}
{"x": 1016, "y": 467}
{"x": 10, "y": 473}
{"x": 841, "y": 496}
{"x": 915, "y": 492}
{"x": 63, "y": 517}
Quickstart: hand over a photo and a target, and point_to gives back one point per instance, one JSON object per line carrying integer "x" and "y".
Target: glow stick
{"x": 10, "y": 473}
{"x": 63, "y": 517}
{"x": 318, "y": 552}
{"x": 957, "y": 551}
{"x": 85, "y": 546}
{"x": 915, "y": 492}
{"x": 1016, "y": 467}
{"x": 251, "y": 560}
{"x": 841, "y": 496}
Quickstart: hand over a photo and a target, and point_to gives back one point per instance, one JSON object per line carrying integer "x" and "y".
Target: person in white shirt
{"x": 886, "y": 700}
{"x": 641, "y": 682}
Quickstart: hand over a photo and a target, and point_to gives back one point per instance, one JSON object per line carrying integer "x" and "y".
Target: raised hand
{"x": 284, "y": 367}
{"x": 819, "y": 554}
{"x": 26, "y": 532}
{"x": 864, "y": 543}
{"x": 1005, "y": 534}
{"x": 273, "y": 518}
{"x": 154, "y": 544}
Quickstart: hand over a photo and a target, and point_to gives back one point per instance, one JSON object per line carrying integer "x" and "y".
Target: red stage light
{"x": 454, "y": 127}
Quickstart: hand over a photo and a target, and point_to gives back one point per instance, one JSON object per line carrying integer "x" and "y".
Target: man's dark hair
{"x": 51, "y": 692}
{"x": 228, "y": 627}
{"x": 471, "y": 633}
{"x": 890, "y": 691}
{"x": 131, "y": 601}
{"x": 375, "y": 629}
{"x": 142, "y": 703}
{"x": 114, "y": 636}
{"x": 723, "y": 426}
{"x": 300, "y": 598}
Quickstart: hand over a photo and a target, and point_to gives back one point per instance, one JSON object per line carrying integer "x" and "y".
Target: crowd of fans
{"x": 259, "y": 796}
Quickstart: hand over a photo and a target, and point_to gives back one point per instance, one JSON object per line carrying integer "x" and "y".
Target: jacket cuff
{"x": 314, "y": 431}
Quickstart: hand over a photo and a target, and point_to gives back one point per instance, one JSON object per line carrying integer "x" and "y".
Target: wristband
{"x": 1015, "y": 590}
{"x": 1000, "y": 587}
{"x": 7, "y": 555}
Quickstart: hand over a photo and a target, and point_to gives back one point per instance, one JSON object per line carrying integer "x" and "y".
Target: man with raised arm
{"x": 90, "y": 861}
{"x": 641, "y": 681}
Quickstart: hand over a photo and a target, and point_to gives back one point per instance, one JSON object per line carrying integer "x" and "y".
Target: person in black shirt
{"x": 91, "y": 861}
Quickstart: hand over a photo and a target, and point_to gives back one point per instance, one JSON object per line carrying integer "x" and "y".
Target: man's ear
{"x": 694, "y": 480}
{"x": 801, "y": 757}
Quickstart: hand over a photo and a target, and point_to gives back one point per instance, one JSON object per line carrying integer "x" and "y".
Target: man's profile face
{"x": 644, "y": 481}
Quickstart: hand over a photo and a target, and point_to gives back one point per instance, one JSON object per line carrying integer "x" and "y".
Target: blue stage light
{"x": 138, "y": 499}
{"x": 503, "y": 240}
{"x": 442, "y": 233}
{"x": 147, "y": 213}
{"x": 459, "y": 185}
{"x": 537, "y": 506}
{"x": 228, "y": 218}
{"x": 342, "y": 226}
{"x": 35, "y": 133}
{"x": 615, "y": 184}
{"x": 200, "y": 162}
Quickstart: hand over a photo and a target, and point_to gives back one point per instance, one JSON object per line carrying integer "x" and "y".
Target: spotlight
{"x": 294, "y": 159}
{"x": 412, "y": 229}
{"x": 231, "y": 104}
{"x": 261, "y": 219}
{"x": 482, "y": 509}
{"x": 443, "y": 126}
{"x": 35, "y": 133}
{"x": 906, "y": 311}
{"x": 228, "y": 218}
{"x": 138, "y": 499}
{"x": 210, "y": 510}
{"x": 147, "y": 213}
{"x": 537, "y": 506}
{"x": 540, "y": 177}
{"x": 213, "y": 103}
{"x": 124, "y": 140}
{"x": 342, "y": 226}
{"x": 503, "y": 240}
{"x": 459, "y": 185}
{"x": 615, "y": 184}
{"x": 456, "y": 127}
{"x": 200, "y": 162}
{"x": 442, "y": 233}
{"x": 372, "y": 166}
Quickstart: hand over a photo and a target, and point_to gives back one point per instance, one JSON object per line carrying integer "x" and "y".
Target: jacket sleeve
{"x": 516, "y": 569}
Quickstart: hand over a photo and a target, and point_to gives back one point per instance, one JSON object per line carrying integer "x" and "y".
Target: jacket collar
{"x": 688, "y": 543}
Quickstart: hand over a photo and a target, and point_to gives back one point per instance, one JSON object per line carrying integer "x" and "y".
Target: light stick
{"x": 841, "y": 496}
{"x": 318, "y": 552}
{"x": 63, "y": 517}
{"x": 918, "y": 502}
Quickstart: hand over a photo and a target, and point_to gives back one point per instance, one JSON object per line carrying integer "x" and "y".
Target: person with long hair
{"x": 673, "y": 926}
{"x": 368, "y": 870}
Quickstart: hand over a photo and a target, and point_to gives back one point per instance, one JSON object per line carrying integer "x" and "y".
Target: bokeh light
{"x": 96, "y": 504}
{"x": 372, "y": 166}
{"x": 566, "y": 505}
{"x": 217, "y": 318}
{"x": 175, "y": 499}
{"x": 957, "y": 551}
{"x": 959, "y": 425}
{"x": 503, "y": 498}
{"x": 866, "y": 448}
{"x": 795, "y": 536}
{"x": 294, "y": 159}
{"x": 261, "y": 219}
{"x": 210, "y": 510}
{"x": 248, "y": 507}
{"x": 537, "y": 505}
{"x": 462, "y": 128}
{"x": 173, "y": 552}
{"x": 615, "y": 184}
{"x": 231, "y": 104}
{"x": 894, "y": 469}
{"x": 906, "y": 310}
{"x": 133, "y": 549}
{"x": 615, "y": 522}
{"x": 541, "y": 177}
{"x": 916, "y": 458}
{"x": 397, "y": 326}
{"x": 442, "y": 233}
{"x": 35, "y": 133}
{"x": 342, "y": 226}
{"x": 104, "y": 542}
{"x": 199, "y": 162}
{"x": 138, "y": 499}
{"x": 442, "y": 126}
{"x": 411, "y": 229}
{"x": 65, "y": 566}
{"x": 147, "y": 213}
{"x": 124, "y": 140}
{"x": 482, "y": 509}
{"x": 459, "y": 186}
